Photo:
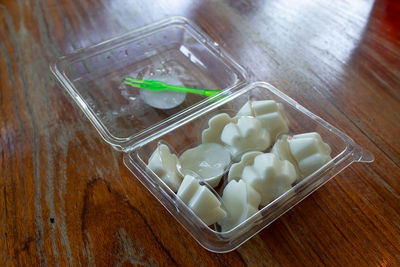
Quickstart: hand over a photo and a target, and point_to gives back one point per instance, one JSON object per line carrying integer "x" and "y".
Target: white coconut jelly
{"x": 269, "y": 176}
{"x": 308, "y": 152}
{"x": 239, "y": 134}
{"x": 241, "y": 202}
{"x": 244, "y": 136}
{"x": 164, "y": 164}
{"x": 271, "y": 115}
{"x": 236, "y": 170}
{"x": 201, "y": 200}
{"x": 210, "y": 161}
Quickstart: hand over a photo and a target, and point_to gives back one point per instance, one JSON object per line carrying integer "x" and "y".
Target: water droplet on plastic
{"x": 132, "y": 98}
{"x": 216, "y": 44}
{"x": 203, "y": 40}
{"x": 151, "y": 73}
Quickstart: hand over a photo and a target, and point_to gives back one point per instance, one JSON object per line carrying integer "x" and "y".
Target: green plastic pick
{"x": 161, "y": 86}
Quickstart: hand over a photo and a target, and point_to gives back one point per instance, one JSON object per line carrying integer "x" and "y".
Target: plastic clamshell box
{"x": 176, "y": 49}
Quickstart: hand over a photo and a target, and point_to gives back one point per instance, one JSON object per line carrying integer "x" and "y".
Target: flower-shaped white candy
{"x": 215, "y": 126}
{"x": 307, "y": 151}
{"x": 245, "y": 135}
{"x": 236, "y": 170}
{"x": 241, "y": 202}
{"x": 281, "y": 149}
{"x": 209, "y": 161}
{"x": 269, "y": 176}
{"x": 201, "y": 200}
{"x": 310, "y": 152}
{"x": 163, "y": 163}
{"x": 271, "y": 115}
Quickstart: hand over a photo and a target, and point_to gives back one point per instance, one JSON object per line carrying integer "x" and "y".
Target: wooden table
{"x": 63, "y": 190}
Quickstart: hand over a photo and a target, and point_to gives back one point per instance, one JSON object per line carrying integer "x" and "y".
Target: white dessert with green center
{"x": 164, "y": 164}
{"x": 201, "y": 200}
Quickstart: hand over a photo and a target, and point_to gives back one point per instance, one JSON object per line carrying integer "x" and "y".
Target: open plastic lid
{"x": 173, "y": 51}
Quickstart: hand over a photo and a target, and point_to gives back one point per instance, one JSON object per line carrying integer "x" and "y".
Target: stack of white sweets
{"x": 237, "y": 145}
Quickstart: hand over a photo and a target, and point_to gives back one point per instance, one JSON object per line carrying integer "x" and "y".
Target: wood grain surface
{"x": 63, "y": 191}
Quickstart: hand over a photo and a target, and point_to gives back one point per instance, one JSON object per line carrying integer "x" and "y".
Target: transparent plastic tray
{"x": 176, "y": 49}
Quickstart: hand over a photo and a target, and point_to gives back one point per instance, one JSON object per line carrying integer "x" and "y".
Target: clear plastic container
{"x": 177, "y": 52}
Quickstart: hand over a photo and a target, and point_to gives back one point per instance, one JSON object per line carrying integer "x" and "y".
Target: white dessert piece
{"x": 235, "y": 172}
{"x": 209, "y": 161}
{"x": 245, "y": 135}
{"x": 282, "y": 150}
{"x": 215, "y": 126}
{"x": 271, "y": 115}
{"x": 201, "y": 200}
{"x": 163, "y": 163}
{"x": 269, "y": 176}
{"x": 162, "y": 99}
{"x": 241, "y": 202}
{"x": 308, "y": 152}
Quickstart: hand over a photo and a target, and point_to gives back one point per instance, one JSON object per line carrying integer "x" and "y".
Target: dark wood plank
{"x": 67, "y": 199}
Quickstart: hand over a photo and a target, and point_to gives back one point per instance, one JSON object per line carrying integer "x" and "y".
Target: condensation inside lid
{"x": 172, "y": 51}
